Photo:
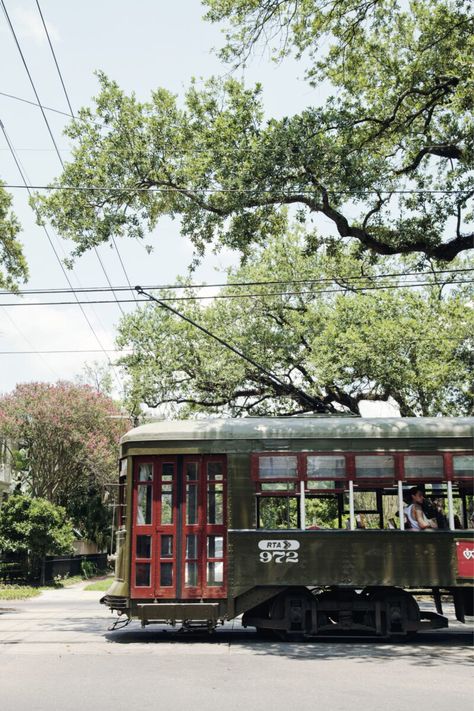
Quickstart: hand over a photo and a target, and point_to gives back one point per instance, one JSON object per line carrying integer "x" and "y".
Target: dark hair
{"x": 415, "y": 489}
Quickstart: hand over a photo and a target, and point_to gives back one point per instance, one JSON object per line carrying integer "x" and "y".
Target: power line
{"x": 31, "y": 82}
{"x": 275, "y": 380}
{"x": 80, "y": 304}
{"x": 210, "y": 191}
{"x": 163, "y": 287}
{"x": 256, "y": 295}
{"x": 60, "y": 160}
{"x": 54, "y": 57}
{"x": 34, "y": 103}
{"x": 51, "y": 352}
{"x": 96, "y": 251}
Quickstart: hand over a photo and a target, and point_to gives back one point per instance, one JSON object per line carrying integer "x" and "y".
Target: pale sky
{"x": 141, "y": 45}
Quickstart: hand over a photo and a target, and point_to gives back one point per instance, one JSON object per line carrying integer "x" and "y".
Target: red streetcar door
{"x": 154, "y": 532}
{"x": 203, "y": 570}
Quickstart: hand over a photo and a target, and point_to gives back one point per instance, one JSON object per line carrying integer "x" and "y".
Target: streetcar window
{"x": 144, "y": 505}
{"x": 277, "y": 512}
{"x": 166, "y": 546}
{"x": 122, "y": 507}
{"x": 215, "y": 507}
{"x": 166, "y": 575}
{"x": 278, "y": 467}
{"x": 191, "y": 503}
{"x": 423, "y": 466}
{"x": 191, "y": 575}
{"x": 215, "y": 574}
{"x": 374, "y": 467}
{"x": 322, "y": 485}
{"x": 191, "y": 565}
{"x": 324, "y": 467}
{"x": 214, "y": 471}
{"x": 167, "y": 494}
{"x": 321, "y": 512}
{"x": 278, "y": 486}
{"x": 145, "y": 472}
{"x": 142, "y": 575}
{"x": 143, "y": 548}
{"x": 463, "y": 466}
{"x": 215, "y": 546}
{"x": 191, "y": 471}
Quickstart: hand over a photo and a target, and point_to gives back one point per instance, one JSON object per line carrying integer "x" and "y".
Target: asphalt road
{"x": 56, "y": 654}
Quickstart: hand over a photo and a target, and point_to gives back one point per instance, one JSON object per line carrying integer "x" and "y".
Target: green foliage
{"x": 12, "y": 262}
{"x": 331, "y": 349}
{"x": 397, "y": 121}
{"x": 88, "y": 569}
{"x": 35, "y": 527}
{"x": 66, "y": 439}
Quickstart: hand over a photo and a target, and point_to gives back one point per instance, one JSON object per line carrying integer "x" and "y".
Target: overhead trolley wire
{"x": 273, "y": 378}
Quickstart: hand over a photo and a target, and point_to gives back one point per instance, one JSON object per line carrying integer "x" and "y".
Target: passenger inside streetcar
{"x": 415, "y": 514}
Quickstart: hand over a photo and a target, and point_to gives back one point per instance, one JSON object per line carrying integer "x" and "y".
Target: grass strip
{"x": 18, "y": 592}
{"x": 100, "y": 585}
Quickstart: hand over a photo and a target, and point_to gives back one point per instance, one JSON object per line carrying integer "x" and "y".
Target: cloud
{"x": 28, "y": 25}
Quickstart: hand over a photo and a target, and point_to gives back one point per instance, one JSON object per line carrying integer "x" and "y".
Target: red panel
{"x": 465, "y": 558}
{"x": 151, "y": 558}
{"x": 200, "y": 529}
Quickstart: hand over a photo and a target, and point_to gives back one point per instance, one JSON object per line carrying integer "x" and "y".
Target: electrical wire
{"x": 34, "y": 103}
{"x": 80, "y": 304}
{"x": 256, "y": 295}
{"x": 52, "y": 352}
{"x": 96, "y": 251}
{"x": 31, "y": 81}
{"x": 54, "y": 57}
{"x": 314, "y": 404}
{"x": 163, "y": 287}
{"x": 60, "y": 160}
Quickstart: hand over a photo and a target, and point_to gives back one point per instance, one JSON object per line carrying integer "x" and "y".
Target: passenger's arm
{"x": 421, "y": 519}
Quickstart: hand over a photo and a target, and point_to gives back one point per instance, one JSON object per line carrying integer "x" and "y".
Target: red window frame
{"x": 155, "y": 529}
{"x": 202, "y": 530}
{"x": 351, "y": 473}
{"x": 449, "y": 466}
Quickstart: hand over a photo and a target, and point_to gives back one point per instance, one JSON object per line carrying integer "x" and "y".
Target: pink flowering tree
{"x": 64, "y": 439}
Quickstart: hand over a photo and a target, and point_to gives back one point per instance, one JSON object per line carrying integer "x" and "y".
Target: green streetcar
{"x": 298, "y": 524}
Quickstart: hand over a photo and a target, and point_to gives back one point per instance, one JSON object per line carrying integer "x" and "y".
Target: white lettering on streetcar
{"x": 284, "y": 544}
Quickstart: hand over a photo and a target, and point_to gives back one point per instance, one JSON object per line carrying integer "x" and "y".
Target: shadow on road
{"x": 428, "y": 650}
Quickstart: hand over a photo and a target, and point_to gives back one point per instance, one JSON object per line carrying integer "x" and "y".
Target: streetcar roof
{"x": 301, "y": 428}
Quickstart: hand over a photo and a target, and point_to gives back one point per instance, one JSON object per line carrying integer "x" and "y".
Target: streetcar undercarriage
{"x": 299, "y": 612}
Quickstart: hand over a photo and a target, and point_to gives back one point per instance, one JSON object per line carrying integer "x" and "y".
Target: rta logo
{"x": 468, "y": 553}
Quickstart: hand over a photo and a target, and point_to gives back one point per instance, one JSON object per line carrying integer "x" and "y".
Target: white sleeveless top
{"x": 410, "y": 512}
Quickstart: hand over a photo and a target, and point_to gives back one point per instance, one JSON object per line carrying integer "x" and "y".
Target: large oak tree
{"x": 387, "y": 159}
{"x": 346, "y": 334}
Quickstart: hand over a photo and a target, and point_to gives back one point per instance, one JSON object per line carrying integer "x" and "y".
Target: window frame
{"x": 399, "y": 473}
